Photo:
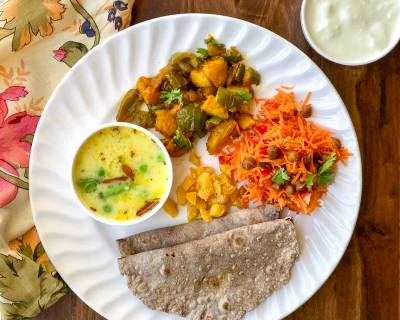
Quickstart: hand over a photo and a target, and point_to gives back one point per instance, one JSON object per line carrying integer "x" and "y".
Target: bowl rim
{"x": 327, "y": 56}
{"x": 152, "y": 211}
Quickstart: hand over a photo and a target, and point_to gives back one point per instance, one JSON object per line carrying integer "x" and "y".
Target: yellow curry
{"x": 120, "y": 173}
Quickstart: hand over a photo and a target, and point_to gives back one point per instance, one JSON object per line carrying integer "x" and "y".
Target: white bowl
{"x": 311, "y": 42}
{"x": 149, "y": 213}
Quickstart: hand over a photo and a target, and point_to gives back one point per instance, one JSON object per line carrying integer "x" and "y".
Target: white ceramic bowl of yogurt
{"x": 351, "y": 32}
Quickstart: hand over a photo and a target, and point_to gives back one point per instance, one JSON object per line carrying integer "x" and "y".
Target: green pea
{"x": 107, "y": 208}
{"x": 160, "y": 157}
{"x": 101, "y": 173}
{"x": 143, "y": 168}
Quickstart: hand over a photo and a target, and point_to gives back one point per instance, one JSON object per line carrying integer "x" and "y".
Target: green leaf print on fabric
{"x": 25, "y": 19}
{"x": 73, "y": 52}
{"x": 27, "y": 286}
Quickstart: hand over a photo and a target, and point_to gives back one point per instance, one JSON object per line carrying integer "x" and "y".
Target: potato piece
{"x": 191, "y": 213}
{"x": 191, "y": 198}
{"x": 245, "y": 121}
{"x": 200, "y": 170}
{"x": 211, "y": 106}
{"x": 216, "y": 71}
{"x": 201, "y": 204}
{"x": 166, "y": 122}
{"x": 220, "y": 135}
{"x": 208, "y": 91}
{"x": 195, "y": 159}
{"x": 205, "y": 215}
{"x": 217, "y": 187}
{"x": 193, "y": 173}
{"x": 204, "y": 185}
{"x": 149, "y": 88}
{"x": 224, "y": 179}
{"x": 181, "y": 196}
{"x": 199, "y": 78}
{"x": 228, "y": 189}
{"x": 217, "y": 210}
{"x": 226, "y": 169}
{"x": 220, "y": 199}
{"x": 173, "y": 150}
{"x": 192, "y": 96}
{"x": 171, "y": 208}
{"x": 187, "y": 183}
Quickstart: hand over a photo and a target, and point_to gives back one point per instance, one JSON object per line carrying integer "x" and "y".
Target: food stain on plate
{"x": 120, "y": 173}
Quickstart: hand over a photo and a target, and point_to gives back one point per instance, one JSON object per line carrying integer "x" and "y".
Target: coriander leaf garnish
{"x": 246, "y": 96}
{"x": 181, "y": 141}
{"x": 324, "y": 175}
{"x": 203, "y": 53}
{"x": 309, "y": 181}
{"x": 89, "y": 184}
{"x": 328, "y": 164}
{"x": 280, "y": 177}
{"x": 171, "y": 96}
{"x": 325, "y": 178}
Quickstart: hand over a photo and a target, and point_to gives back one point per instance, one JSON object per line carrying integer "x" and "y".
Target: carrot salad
{"x": 283, "y": 159}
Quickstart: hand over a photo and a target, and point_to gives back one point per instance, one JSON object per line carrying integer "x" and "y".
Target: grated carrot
{"x": 279, "y": 123}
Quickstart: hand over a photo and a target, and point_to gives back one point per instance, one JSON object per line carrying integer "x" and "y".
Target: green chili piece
{"x": 228, "y": 99}
{"x": 251, "y": 76}
{"x": 176, "y": 79}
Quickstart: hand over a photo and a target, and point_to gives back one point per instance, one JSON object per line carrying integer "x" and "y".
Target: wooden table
{"x": 365, "y": 285}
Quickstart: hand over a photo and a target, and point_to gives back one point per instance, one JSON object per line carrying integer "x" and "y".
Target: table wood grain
{"x": 365, "y": 284}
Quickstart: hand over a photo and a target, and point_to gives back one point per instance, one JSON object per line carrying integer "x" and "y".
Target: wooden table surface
{"x": 365, "y": 285}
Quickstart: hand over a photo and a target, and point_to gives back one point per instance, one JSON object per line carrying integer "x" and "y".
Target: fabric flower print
{"x": 118, "y": 6}
{"x": 16, "y": 133}
{"x": 25, "y": 19}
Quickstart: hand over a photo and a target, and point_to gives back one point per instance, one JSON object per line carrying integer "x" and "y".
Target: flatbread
{"x": 195, "y": 230}
{"x": 222, "y": 276}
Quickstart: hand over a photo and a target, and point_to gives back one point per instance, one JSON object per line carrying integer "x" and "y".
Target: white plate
{"x": 84, "y": 251}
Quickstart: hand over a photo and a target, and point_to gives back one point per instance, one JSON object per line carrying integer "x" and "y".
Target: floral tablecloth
{"x": 40, "y": 40}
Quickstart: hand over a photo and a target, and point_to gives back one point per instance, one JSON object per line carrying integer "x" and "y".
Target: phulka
{"x": 222, "y": 276}
{"x": 195, "y": 230}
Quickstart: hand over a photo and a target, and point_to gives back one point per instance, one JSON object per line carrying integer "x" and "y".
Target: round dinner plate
{"x": 84, "y": 251}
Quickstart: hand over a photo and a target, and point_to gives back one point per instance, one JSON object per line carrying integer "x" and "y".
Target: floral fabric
{"x": 39, "y": 41}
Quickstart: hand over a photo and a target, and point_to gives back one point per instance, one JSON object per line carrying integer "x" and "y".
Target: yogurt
{"x": 353, "y": 30}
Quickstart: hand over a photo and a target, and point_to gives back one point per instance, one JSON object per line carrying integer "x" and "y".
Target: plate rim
{"x": 132, "y": 28}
